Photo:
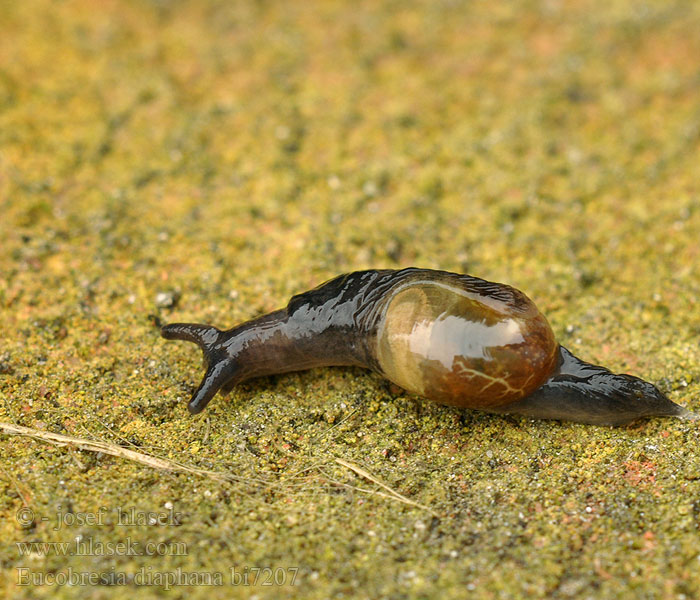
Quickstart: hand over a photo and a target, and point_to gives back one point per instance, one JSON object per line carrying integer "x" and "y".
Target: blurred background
{"x": 203, "y": 161}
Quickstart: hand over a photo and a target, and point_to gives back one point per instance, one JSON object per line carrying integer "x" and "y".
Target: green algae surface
{"x": 203, "y": 161}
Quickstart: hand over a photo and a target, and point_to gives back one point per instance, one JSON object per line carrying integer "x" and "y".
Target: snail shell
{"x": 465, "y": 347}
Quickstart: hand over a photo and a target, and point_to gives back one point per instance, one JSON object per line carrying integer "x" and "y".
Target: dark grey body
{"x": 330, "y": 325}
{"x": 586, "y": 393}
{"x": 336, "y": 324}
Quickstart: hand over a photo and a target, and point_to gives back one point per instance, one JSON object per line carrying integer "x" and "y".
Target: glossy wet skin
{"x": 451, "y": 338}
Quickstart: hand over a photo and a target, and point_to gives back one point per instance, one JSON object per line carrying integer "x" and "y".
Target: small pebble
{"x": 166, "y": 299}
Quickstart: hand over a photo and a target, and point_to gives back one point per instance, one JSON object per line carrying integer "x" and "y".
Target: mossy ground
{"x": 232, "y": 154}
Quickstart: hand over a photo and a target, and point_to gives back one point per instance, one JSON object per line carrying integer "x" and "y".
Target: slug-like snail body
{"x": 452, "y": 338}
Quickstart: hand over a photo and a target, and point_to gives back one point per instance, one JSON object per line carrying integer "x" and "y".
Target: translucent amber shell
{"x": 465, "y": 347}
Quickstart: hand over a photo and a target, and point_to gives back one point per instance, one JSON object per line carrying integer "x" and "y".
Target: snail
{"x": 455, "y": 339}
